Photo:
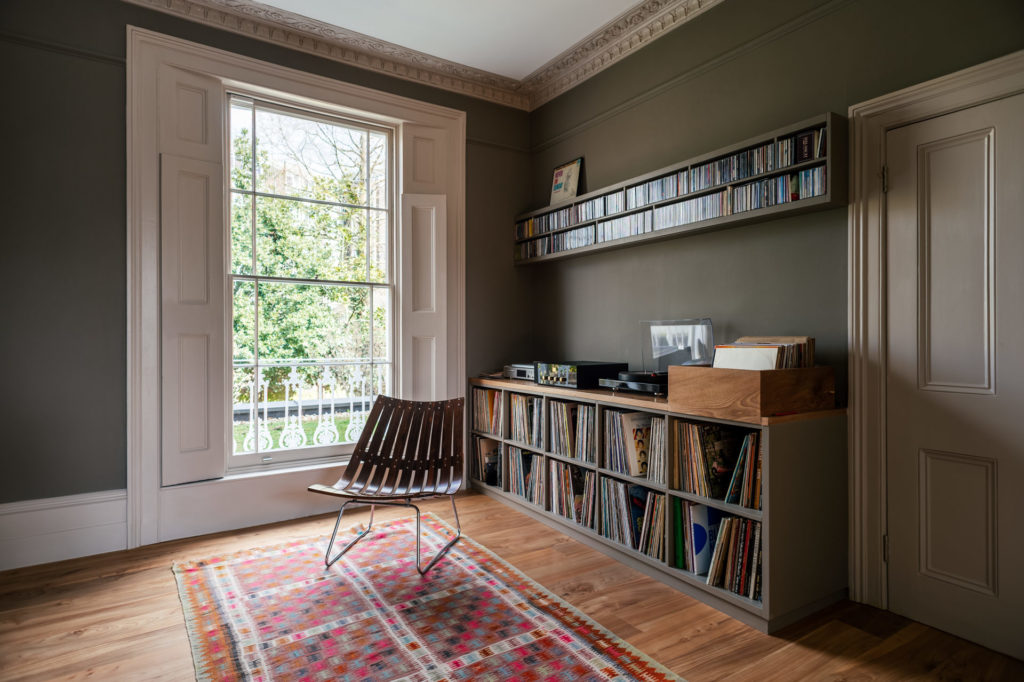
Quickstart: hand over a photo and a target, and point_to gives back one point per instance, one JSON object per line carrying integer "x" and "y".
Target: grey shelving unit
{"x": 833, "y": 162}
{"x": 803, "y": 502}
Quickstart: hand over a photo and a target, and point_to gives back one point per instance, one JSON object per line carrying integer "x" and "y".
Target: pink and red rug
{"x": 275, "y": 613}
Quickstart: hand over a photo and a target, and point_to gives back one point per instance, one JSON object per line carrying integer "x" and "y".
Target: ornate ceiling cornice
{"x": 639, "y": 26}
{"x": 646, "y": 22}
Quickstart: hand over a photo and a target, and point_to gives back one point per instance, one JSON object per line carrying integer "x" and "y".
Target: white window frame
{"x": 334, "y": 454}
{"x": 431, "y": 163}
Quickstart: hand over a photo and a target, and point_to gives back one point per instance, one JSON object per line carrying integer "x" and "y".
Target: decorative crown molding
{"x": 622, "y": 36}
{"x": 619, "y": 38}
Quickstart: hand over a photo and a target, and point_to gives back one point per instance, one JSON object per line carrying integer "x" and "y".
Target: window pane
{"x": 378, "y": 235}
{"x": 381, "y": 324}
{"x": 243, "y": 333}
{"x": 307, "y": 322}
{"x": 312, "y": 159}
{"x": 241, "y": 234}
{"x": 382, "y": 380}
{"x": 241, "y": 144}
{"x": 355, "y": 384}
{"x": 378, "y": 158}
{"x": 310, "y": 241}
{"x": 243, "y": 410}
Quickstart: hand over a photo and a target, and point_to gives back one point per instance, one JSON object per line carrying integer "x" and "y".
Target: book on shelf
{"x": 487, "y": 460}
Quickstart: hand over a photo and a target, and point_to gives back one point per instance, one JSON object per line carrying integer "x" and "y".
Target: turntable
{"x": 650, "y": 383}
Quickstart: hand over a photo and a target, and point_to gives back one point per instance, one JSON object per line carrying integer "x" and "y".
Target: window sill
{"x": 258, "y": 471}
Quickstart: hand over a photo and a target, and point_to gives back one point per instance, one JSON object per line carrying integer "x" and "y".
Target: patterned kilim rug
{"x": 275, "y": 613}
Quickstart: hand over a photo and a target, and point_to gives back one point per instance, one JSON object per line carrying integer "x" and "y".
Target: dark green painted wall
{"x": 736, "y": 71}
{"x": 63, "y": 263}
{"x": 743, "y": 68}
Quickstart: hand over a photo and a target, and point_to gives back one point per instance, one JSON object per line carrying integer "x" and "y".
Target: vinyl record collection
{"x": 736, "y": 561}
{"x": 487, "y": 410}
{"x": 487, "y": 461}
{"x": 526, "y": 475}
{"x": 724, "y": 549}
{"x": 573, "y": 493}
{"x": 627, "y": 437}
{"x": 657, "y": 461}
{"x": 719, "y": 462}
{"x": 571, "y": 427}
{"x": 526, "y": 419}
{"x": 633, "y": 516}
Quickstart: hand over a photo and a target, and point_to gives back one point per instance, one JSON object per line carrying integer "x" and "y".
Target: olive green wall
{"x": 743, "y": 68}
{"x": 63, "y": 263}
{"x": 736, "y": 71}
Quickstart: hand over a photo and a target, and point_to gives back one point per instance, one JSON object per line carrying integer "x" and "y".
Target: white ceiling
{"x": 512, "y": 39}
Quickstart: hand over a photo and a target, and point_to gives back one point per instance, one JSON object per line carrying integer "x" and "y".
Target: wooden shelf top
{"x": 643, "y": 402}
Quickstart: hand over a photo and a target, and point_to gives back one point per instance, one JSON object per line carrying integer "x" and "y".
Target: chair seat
{"x": 330, "y": 490}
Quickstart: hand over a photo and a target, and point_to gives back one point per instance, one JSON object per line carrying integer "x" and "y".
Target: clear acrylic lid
{"x": 677, "y": 342}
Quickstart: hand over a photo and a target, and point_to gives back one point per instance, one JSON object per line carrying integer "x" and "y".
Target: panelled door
{"x": 955, "y": 383}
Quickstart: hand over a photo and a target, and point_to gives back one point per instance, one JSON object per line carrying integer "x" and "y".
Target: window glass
{"x": 312, "y": 322}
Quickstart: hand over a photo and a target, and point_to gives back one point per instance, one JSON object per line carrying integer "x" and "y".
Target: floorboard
{"x": 117, "y": 617}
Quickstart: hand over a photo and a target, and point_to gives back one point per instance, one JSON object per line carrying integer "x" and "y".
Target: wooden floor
{"x": 117, "y": 616}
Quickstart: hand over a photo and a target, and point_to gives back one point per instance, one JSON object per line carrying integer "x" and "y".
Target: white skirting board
{"x": 57, "y": 528}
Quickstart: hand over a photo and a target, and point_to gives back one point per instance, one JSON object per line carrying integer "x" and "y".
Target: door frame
{"x": 867, "y": 294}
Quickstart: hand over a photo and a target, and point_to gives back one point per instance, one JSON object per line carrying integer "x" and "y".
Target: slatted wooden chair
{"x": 408, "y": 450}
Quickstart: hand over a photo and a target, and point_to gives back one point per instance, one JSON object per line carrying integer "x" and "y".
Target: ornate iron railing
{"x": 279, "y": 406}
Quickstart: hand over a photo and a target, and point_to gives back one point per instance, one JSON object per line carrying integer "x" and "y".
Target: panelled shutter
{"x": 424, "y": 272}
{"x": 193, "y": 257}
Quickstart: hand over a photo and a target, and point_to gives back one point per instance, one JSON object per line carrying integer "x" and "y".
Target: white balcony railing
{"x": 302, "y": 405}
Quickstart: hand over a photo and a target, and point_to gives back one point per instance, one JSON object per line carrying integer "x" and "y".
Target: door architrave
{"x": 867, "y": 292}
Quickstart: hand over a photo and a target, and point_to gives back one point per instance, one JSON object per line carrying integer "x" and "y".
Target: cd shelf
{"x": 792, "y": 170}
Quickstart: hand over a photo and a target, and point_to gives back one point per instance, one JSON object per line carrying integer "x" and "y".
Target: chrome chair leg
{"x": 444, "y": 550}
{"x": 328, "y": 561}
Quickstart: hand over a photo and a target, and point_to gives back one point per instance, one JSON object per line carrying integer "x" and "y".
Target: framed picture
{"x": 566, "y": 181}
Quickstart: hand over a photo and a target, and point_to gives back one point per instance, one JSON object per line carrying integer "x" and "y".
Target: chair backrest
{"x": 407, "y": 447}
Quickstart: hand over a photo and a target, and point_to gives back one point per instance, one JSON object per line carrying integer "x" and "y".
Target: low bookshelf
{"x": 796, "y": 169}
{"x": 557, "y": 454}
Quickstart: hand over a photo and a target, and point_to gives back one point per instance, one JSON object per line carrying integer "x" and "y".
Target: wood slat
{"x": 407, "y": 448}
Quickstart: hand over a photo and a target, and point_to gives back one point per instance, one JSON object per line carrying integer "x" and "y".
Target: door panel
{"x": 955, "y": 382}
